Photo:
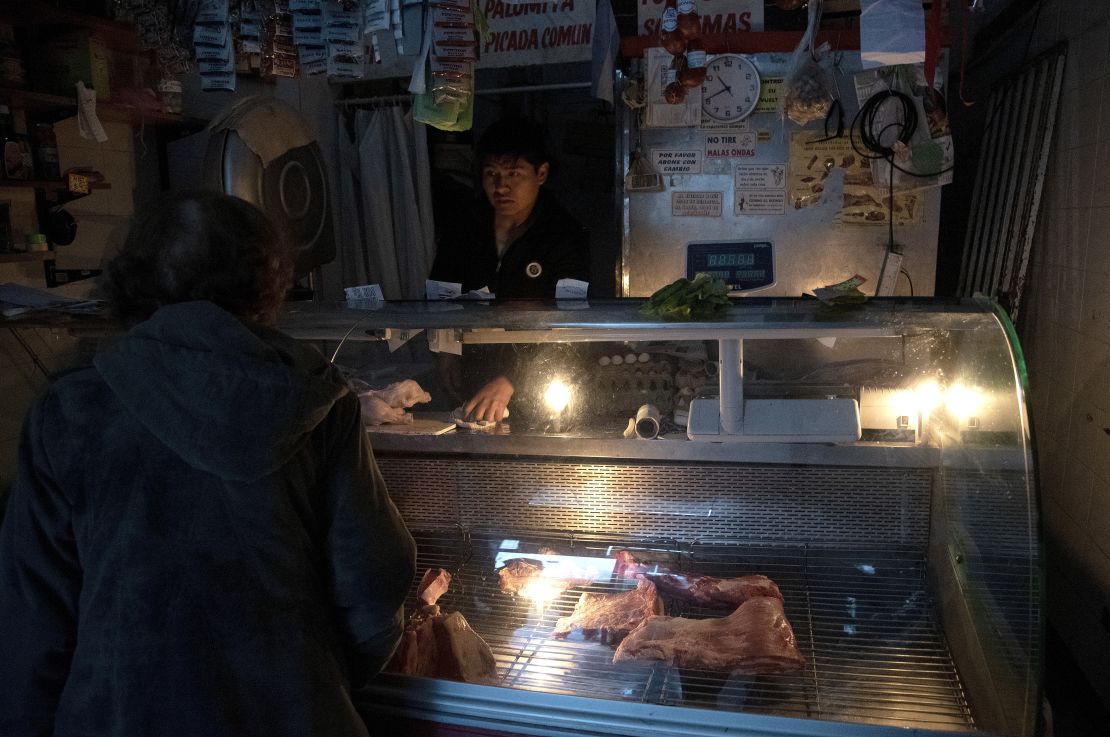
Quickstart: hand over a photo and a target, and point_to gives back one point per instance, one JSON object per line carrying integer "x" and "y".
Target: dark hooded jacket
{"x": 198, "y": 542}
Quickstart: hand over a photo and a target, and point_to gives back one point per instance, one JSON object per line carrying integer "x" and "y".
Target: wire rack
{"x": 875, "y": 652}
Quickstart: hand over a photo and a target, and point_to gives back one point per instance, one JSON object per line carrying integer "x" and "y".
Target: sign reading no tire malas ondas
{"x": 525, "y": 32}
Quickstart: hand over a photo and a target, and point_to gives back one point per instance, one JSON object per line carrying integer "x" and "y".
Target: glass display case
{"x": 873, "y": 461}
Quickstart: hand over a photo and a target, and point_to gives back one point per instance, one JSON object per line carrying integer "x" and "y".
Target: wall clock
{"x": 731, "y": 88}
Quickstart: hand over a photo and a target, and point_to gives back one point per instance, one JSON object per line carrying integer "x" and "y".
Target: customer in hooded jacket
{"x": 199, "y": 541}
{"x": 520, "y": 244}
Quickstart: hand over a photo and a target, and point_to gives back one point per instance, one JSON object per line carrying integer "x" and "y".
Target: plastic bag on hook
{"x": 807, "y": 94}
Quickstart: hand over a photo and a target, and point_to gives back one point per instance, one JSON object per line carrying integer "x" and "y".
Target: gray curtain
{"x": 385, "y": 202}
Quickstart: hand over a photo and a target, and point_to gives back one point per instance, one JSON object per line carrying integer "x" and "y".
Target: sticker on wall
{"x": 697, "y": 204}
{"x": 811, "y": 163}
{"x": 673, "y": 161}
{"x": 769, "y": 90}
{"x": 736, "y": 126}
{"x": 729, "y": 145}
{"x": 760, "y": 176}
{"x": 760, "y": 202}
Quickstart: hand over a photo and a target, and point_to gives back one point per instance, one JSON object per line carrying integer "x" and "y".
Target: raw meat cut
{"x": 710, "y": 591}
{"x": 433, "y": 585}
{"x": 388, "y": 405}
{"x": 437, "y": 645}
{"x": 724, "y": 593}
{"x": 404, "y": 393}
{"x": 755, "y": 639}
{"x": 518, "y": 573}
{"x": 525, "y": 576}
{"x": 610, "y": 617}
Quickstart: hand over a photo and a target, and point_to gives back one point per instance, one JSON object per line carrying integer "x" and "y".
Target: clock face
{"x": 731, "y": 88}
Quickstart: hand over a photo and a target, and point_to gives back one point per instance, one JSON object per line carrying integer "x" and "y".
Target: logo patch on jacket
{"x": 533, "y": 269}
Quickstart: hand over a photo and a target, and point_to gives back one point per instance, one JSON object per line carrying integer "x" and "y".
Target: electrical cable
{"x": 871, "y": 140}
{"x": 906, "y": 274}
{"x": 347, "y": 334}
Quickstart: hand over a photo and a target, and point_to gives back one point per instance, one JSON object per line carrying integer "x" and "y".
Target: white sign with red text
{"x": 717, "y": 16}
{"x": 541, "y": 32}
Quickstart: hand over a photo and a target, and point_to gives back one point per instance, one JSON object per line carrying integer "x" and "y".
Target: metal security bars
{"x": 1021, "y": 119}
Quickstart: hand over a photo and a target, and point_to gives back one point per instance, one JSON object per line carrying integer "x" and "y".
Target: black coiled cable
{"x": 872, "y": 140}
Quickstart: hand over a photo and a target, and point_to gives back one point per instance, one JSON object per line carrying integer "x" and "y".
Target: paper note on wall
{"x": 891, "y": 32}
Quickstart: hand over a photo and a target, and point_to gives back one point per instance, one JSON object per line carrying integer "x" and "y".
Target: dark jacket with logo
{"x": 554, "y": 246}
{"x": 198, "y": 542}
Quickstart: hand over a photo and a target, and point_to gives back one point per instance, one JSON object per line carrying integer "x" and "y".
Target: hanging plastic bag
{"x": 806, "y": 94}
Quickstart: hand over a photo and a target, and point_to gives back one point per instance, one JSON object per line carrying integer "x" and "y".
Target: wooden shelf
{"x": 114, "y": 34}
{"x": 15, "y": 257}
{"x": 58, "y": 107}
{"x": 47, "y": 184}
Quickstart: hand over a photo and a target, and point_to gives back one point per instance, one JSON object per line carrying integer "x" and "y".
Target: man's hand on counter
{"x": 490, "y": 402}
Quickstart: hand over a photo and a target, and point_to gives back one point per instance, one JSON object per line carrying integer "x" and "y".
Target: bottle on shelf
{"x": 7, "y": 124}
{"x": 694, "y": 72}
{"x": 44, "y": 146}
{"x": 689, "y": 22}
{"x": 670, "y": 38}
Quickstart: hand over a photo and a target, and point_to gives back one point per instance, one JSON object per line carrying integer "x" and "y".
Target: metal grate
{"x": 1021, "y": 118}
{"x": 874, "y": 650}
{"x": 684, "y": 501}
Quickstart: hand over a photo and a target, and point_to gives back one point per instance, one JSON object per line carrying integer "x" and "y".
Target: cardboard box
{"x": 65, "y": 56}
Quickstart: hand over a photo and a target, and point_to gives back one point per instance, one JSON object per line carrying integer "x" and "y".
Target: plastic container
{"x": 7, "y": 124}
{"x": 17, "y": 163}
{"x": 169, "y": 90}
{"x": 36, "y": 242}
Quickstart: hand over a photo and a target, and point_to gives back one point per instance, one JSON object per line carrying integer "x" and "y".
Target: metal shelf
{"x": 11, "y": 258}
{"x": 58, "y": 107}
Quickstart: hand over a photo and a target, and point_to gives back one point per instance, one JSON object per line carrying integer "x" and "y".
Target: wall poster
{"x": 812, "y": 162}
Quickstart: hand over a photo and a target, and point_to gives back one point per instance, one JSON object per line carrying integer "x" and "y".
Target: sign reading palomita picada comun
{"x": 717, "y": 16}
{"x": 530, "y": 33}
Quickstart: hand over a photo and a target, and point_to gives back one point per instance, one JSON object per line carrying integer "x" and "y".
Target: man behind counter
{"x": 520, "y": 244}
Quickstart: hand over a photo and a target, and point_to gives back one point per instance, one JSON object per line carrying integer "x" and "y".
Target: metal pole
{"x": 732, "y": 385}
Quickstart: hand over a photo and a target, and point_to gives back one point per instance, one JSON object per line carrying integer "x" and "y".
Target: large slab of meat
{"x": 437, "y": 645}
{"x": 710, "y": 591}
{"x": 756, "y": 639}
{"x": 610, "y": 617}
{"x": 526, "y": 576}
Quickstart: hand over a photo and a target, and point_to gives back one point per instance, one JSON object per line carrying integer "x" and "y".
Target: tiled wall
{"x": 1067, "y": 336}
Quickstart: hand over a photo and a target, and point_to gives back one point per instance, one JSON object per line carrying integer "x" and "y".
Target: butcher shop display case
{"x": 796, "y": 519}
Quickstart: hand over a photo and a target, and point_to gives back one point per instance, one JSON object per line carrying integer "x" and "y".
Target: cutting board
{"x": 419, "y": 426}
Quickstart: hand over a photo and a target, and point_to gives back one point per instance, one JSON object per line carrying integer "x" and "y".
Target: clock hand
{"x": 725, "y": 88}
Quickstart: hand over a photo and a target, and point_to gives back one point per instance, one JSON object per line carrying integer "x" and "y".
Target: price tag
{"x": 77, "y": 183}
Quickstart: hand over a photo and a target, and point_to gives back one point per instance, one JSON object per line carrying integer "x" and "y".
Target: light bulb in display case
{"x": 557, "y": 396}
{"x": 964, "y": 404}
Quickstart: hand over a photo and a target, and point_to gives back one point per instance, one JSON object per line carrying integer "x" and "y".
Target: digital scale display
{"x": 743, "y": 265}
